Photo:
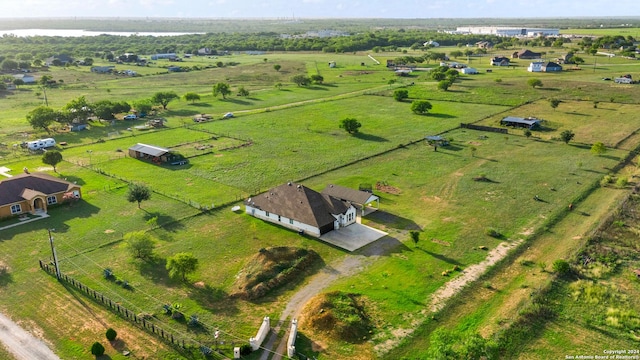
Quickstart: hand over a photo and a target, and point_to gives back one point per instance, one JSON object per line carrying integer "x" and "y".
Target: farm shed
{"x": 152, "y": 153}
{"x": 363, "y": 199}
{"x": 529, "y": 123}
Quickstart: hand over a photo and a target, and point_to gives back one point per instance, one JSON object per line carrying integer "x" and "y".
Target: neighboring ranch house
{"x": 26, "y": 78}
{"x": 551, "y": 67}
{"x": 151, "y": 153}
{"x": 33, "y": 193}
{"x": 526, "y": 54}
{"x": 500, "y": 61}
{"x": 362, "y": 199}
{"x": 535, "y": 66}
{"x": 297, "y": 207}
{"x": 518, "y": 122}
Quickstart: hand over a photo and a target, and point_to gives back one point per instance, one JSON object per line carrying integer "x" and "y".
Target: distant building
{"x": 164, "y": 56}
{"x": 102, "y": 69}
{"x": 507, "y": 31}
{"x": 526, "y": 54}
{"x": 500, "y": 61}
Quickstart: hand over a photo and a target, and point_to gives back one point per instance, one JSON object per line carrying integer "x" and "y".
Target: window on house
{"x": 51, "y": 200}
{"x": 16, "y": 209}
{"x": 266, "y": 213}
{"x": 291, "y": 221}
{"x": 279, "y": 218}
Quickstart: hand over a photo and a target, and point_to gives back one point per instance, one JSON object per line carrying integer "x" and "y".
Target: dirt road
{"x": 347, "y": 266}
{"x": 21, "y": 344}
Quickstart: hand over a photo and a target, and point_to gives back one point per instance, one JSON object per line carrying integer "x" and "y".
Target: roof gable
{"x": 347, "y": 194}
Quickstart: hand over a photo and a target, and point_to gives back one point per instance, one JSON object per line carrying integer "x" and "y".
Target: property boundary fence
{"x": 484, "y": 128}
{"x": 179, "y": 342}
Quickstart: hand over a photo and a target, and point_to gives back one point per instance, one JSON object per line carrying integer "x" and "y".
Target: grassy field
{"x": 292, "y": 134}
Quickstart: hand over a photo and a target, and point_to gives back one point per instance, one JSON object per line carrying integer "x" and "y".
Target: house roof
{"x": 149, "y": 149}
{"x": 527, "y": 53}
{"x": 551, "y": 64}
{"x": 298, "y": 202}
{"x": 519, "y": 120}
{"x": 27, "y": 186}
{"x": 348, "y": 194}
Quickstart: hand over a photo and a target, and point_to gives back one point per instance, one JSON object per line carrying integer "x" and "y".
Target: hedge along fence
{"x": 180, "y": 343}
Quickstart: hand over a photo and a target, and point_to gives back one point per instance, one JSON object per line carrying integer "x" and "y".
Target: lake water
{"x": 78, "y": 33}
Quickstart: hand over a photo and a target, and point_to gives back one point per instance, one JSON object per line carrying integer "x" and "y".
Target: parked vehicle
{"x": 130, "y": 117}
{"x": 228, "y": 115}
{"x": 41, "y": 144}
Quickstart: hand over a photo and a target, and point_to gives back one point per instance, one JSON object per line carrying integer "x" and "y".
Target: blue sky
{"x": 319, "y": 8}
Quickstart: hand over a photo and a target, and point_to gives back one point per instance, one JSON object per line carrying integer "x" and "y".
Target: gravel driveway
{"x": 21, "y": 344}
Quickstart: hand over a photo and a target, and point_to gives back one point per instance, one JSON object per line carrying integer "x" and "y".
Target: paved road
{"x": 21, "y": 344}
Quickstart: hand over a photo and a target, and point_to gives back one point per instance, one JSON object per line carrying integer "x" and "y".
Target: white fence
{"x": 255, "y": 342}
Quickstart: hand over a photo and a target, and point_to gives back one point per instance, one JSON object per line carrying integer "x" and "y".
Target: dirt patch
{"x": 339, "y": 316}
{"x": 386, "y": 188}
{"x": 470, "y": 274}
{"x": 109, "y": 231}
{"x": 441, "y": 242}
{"x": 199, "y": 285}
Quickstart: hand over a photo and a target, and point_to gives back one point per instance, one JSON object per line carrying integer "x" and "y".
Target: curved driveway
{"x": 21, "y": 344}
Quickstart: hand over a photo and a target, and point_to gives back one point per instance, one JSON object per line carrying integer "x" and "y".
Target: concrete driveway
{"x": 353, "y": 237}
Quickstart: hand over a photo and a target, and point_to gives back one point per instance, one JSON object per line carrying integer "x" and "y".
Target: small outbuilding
{"x": 361, "y": 199}
{"x": 156, "y": 154}
{"x": 518, "y": 122}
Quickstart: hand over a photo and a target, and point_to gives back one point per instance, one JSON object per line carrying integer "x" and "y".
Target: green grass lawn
{"x": 295, "y": 135}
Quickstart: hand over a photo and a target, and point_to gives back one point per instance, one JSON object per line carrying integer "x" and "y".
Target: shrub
{"x": 97, "y": 349}
{"x": 111, "y": 334}
{"x": 206, "y": 351}
{"x": 561, "y": 267}
{"x": 621, "y": 182}
{"x": 193, "y": 320}
{"x": 493, "y": 233}
{"x": 245, "y": 349}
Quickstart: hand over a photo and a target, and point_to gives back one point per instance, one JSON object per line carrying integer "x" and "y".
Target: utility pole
{"x": 44, "y": 89}
{"x": 55, "y": 257}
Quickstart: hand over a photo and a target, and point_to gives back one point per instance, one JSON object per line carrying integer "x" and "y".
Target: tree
{"x": 191, "y": 96}
{"x": 138, "y": 193}
{"x": 317, "y": 78}
{"x": 243, "y": 92}
{"x": 415, "y": 236}
{"x": 143, "y": 106}
{"x": 350, "y": 125}
{"x": 278, "y": 85}
{"x": 301, "y": 80}
{"x": 45, "y": 79}
{"x": 533, "y": 82}
{"x": 576, "y": 60}
{"x": 444, "y": 85}
{"x": 421, "y": 107}
{"x": 18, "y": 82}
{"x": 554, "y": 103}
{"x": 527, "y": 133}
{"x": 598, "y": 148}
{"x": 8, "y": 65}
{"x": 277, "y": 67}
{"x": 182, "y": 264}
{"x": 163, "y": 98}
{"x": 77, "y": 109}
{"x": 111, "y": 334}
{"x": 140, "y": 244}
{"x": 41, "y": 117}
{"x": 400, "y": 94}
{"x": 221, "y": 89}
{"x": 567, "y": 136}
{"x": 456, "y": 54}
{"x": 97, "y": 349}
{"x": 53, "y": 158}
{"x": 438, "y": 76}
{"x": 105, "y": 109}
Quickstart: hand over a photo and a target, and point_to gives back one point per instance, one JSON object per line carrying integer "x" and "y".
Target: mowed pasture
{"x": 294, "y": 135}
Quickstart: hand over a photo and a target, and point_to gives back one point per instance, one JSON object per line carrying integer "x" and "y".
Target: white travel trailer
{"x": 41, "y": 144}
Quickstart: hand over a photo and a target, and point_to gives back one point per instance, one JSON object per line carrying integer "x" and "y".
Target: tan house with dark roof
{"x": 297, "y": 207}
{"x": 32, "y": 193}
